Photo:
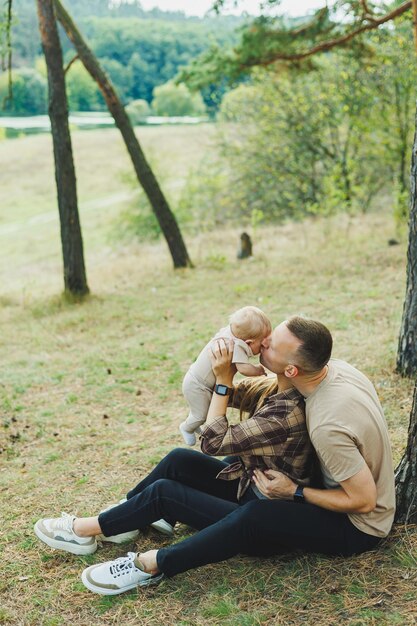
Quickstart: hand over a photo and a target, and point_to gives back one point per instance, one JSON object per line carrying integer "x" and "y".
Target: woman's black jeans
{"x": 183, "y": 487}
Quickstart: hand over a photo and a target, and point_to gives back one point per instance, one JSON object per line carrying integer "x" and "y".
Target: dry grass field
{"x": 90, "y": 393}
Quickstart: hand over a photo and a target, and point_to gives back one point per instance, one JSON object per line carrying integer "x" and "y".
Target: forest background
{"x": 339, "y": 140}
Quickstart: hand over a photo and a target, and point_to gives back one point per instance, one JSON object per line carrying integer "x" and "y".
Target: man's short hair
{"x": 316, "y": 343}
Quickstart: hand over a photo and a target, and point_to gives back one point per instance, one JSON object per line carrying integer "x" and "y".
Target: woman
{"x": 198, "y": 490}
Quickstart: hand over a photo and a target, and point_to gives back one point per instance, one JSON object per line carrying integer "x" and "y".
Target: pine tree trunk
{"x": 144, "y": 173}
{"x": 75, "y": 279}
{"x": 407, "y": 345}
{"x": 406, "y": 473}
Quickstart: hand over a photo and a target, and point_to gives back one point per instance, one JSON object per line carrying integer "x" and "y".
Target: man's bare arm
{"x": 355, "y": 495}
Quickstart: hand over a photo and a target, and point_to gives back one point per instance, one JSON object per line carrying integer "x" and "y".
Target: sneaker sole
{"x": 64, "y": 546}
{"x": 162, "y": 529}
{"x": 115, "y": 592}
{"x": 123, "y": 538}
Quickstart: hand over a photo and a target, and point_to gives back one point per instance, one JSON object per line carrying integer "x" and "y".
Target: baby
{"x": 248, "y": 327}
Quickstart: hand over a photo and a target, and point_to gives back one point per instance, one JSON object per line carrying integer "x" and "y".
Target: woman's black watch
{"x": 223, "y": 390}
{"x": 299, "y": 494}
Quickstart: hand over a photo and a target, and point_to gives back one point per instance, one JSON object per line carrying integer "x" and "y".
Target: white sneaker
{"x": 122, "y": 537}
{"x": 163, "y": 527}
{"x": 114, "y": 577}
{"x": 189, "y": 438}
{"x": 58, "y": 533}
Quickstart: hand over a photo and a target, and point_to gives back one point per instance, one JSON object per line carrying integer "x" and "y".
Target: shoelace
{"x": 64, "y": 522}
{"x": 123, "y": 566}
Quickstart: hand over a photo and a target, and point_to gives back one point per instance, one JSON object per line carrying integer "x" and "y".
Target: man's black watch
{"x": 299, "y": 494}
{"x": 223, "y": 390}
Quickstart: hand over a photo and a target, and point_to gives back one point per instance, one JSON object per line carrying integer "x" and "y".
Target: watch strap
{"x": 299, "y": 494}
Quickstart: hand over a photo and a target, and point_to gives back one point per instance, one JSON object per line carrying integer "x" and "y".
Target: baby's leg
{"x": 198, "y": 398}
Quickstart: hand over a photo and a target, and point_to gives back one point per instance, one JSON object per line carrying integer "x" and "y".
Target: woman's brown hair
{"x": 250, "y": 394}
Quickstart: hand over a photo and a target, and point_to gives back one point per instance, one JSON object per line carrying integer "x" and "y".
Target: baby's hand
{"x": 248, "y": 369}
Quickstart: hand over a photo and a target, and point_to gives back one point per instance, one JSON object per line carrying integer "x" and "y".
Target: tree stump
{"x": 245, "y": 249}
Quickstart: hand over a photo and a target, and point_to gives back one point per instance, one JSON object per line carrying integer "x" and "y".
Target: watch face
{"x": 222, "y": 390}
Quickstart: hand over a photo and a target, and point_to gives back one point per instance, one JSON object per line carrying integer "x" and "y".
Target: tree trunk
{"x": 406, "y": 472}
{"x": 407, "y": 346}
{"x": 144, "y": 173}
{"x": 75, "y": 280}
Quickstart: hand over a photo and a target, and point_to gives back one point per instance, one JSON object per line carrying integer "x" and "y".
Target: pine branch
{"x": 264, "y": 43}
{"x": 74, "y": 58}
{"x": 324, "y": 46}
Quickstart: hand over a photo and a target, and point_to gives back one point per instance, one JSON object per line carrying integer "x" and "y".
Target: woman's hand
{"x": 273, "y": 484}
{"x": 221, "y": 361}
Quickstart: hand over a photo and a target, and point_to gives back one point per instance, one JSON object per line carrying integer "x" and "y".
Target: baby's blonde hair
{"x": 249, "y": 323}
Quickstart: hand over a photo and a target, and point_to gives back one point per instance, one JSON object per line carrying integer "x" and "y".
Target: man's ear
{"x": 291, "y": 371}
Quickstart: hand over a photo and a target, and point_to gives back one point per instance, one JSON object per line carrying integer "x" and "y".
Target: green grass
{"x": 122, "y": 354}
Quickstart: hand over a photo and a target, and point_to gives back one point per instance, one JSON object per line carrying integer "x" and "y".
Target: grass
{"x": 90, "y": 396}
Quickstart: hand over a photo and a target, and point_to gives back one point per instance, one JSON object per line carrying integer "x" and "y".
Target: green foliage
{"x": 394, "y": 73}
{"x": 151, "y": 52}
{"x": 271, "y": 39}
{"x": 120, "y": 75}
{"x": 138, "y": 111}
{"x": 139, "y": 50}
{"x": 137, "y": 221}
{"x": 206, "y": 198}
{"x": 317, "y": 142}
{"x": 401, "y": 208}
{"x": 29, "y": 93}
{"x": 82, "y": 91}
{"x": 177, "y": 100}
{"x": 6, "y": 19}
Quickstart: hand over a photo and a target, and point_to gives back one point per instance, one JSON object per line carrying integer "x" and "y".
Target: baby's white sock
{"x": 188, "y": 437}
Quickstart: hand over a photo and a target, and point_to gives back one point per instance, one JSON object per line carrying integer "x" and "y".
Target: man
{"x": 347, "y": 428}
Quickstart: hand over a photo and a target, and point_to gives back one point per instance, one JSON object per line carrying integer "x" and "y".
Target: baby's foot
{"x": 189, "y": 438}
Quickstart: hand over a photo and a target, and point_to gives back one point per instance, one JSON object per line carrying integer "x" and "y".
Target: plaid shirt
{"x": 274, "y": 437}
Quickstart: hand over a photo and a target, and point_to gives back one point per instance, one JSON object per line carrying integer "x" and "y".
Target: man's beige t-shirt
{"x": 347, "y": 428}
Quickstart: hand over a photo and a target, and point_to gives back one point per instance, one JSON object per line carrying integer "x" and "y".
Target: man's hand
{"x": 274, "y": 485}
{"x": 355, "y": 495}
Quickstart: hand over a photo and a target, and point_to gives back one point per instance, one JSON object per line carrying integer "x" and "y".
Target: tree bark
{"x": 406, "y": 472}
{"x": 407, "y": 346}
{"x": 75, "y": 279}
{"x": 144, "y": 173}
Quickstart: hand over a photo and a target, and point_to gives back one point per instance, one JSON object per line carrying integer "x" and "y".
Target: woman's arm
{"x": 224, "y": 371}
{"x": 256, "y": 435}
